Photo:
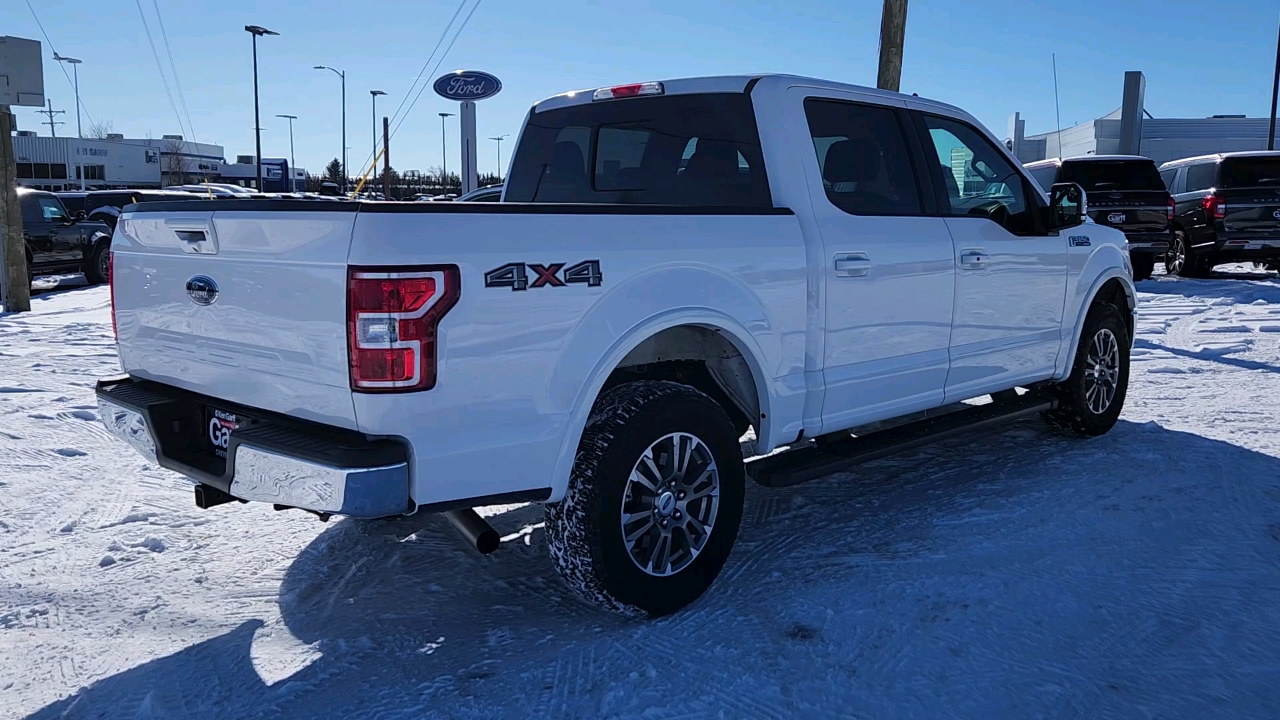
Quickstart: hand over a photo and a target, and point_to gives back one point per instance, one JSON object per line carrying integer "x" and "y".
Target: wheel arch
{"x": 677, "y": 336}
{"x": 1113, "y": 286}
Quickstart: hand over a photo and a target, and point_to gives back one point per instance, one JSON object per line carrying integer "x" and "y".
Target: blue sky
{"x": 990, "y": 57}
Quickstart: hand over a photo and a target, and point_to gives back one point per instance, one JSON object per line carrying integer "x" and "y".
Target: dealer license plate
{"x": 218, "y": 426}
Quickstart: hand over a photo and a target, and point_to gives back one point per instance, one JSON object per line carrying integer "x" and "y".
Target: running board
{"x": 841, "y": 451}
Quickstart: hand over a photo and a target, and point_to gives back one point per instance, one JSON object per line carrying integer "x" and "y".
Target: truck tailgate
{"x": 243, "y": 305}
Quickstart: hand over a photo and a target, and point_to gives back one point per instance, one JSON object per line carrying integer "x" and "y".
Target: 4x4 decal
{"x": 516, "y": 275}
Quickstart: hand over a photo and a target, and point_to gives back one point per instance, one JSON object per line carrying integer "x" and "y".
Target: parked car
{"x": 207, "y": 190}
{"x": 1125, "y": 192}
{"x": 1227, "y": 209}
{"x": 104, "y": 206}
{"x": 60, "y": 242}
{"x": 602, "y": 339}
{"x": 488, "y": 193}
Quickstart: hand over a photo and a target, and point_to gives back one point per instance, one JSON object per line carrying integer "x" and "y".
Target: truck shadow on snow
{"x": 1025, "y": 569}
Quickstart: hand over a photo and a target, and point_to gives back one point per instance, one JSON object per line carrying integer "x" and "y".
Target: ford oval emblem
{"x": 467, "y": 85}
{"x": 1115, "y": 196}
{"x": 202, "y": 290}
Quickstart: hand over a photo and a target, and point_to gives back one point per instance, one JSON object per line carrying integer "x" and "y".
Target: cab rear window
{"x": 692, "y": 150}
{"x": 1112, "y": 175}
{"x": 1250, "y": 172}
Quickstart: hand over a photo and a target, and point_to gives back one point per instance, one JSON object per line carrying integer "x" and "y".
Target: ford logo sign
{"x": 202, "y": 290}
{"x": 467, "y": 85}
{"x": 1115, "y": 218}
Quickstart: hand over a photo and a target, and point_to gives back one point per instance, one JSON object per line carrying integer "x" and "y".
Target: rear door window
{"x": 1249, "y": 172}
{"x": 1095, "y": 175}
{"x": 1167, "y": 177}
{"x": 1202, "y": 176}
{"x": 693, "y": 150}
{"x": 862, "y": 154}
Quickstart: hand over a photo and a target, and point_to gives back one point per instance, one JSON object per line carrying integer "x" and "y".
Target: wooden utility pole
{"x": 893, "y": 33}
{"x": 15, "y": 286}
{"x": 386, "y": 159}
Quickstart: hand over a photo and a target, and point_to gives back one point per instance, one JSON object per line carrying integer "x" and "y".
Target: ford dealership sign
{"x": 467, "y": 85}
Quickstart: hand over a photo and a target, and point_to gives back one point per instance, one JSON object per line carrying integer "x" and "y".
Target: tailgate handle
{"x": 190, "y": 236}
{"x": 195, "y": 235}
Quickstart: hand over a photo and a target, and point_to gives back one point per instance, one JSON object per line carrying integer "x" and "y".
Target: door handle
{"x": 974, "y": 259}
{"x": 852, "y": 264}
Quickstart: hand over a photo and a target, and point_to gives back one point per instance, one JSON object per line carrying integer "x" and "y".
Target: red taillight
{"x": 111, "y": 284}
{"x": 1173, "y": 208}
{"x": 392, "y": 316}
{"x": 1214, "y": 206}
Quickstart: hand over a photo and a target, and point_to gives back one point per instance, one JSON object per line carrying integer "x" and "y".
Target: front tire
{"x": 654, "y": 500}
{"x": 1090, "y": 400}
{"x": 1144, "y": 265}
{"x": 97, "y": 269}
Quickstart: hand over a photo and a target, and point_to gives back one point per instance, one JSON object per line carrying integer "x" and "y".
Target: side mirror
{"x": 79, "y": 216}
{"x": 1067, "y": 206}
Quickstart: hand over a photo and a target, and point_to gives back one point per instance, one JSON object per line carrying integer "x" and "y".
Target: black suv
{"x": 1227, "y": 209}
{"x": 1123, "y": 191}
{"x": 105, "y": 206}
{"x": 58, "y": 242}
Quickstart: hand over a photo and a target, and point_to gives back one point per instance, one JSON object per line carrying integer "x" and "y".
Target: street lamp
{"x": 293, "y": 187}
{"x": 499, "y": 141}
{"x": 374, "y": 95}
{"x": 341, "y": 74}
{"x": 444, "y": 161}
{"x": 73, "y": 62}
{"x": 256, "y": 31}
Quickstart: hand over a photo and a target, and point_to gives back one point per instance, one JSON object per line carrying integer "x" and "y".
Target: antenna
{"x": 1057, "y": 111}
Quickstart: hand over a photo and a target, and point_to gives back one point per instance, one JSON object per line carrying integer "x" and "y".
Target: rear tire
{"x": 1144, "y": 264}
{"x": 1182, "y": 262}
{"x": 1090, "y": 400}
{"x": 96, "y": 270}
{"x": 626, "y": 534}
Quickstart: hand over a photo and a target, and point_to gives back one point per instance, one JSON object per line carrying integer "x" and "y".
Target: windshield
{"x": 1250, "y": 172}
{"x": 698, "y": 150}
{"x": 1112, "y": 175}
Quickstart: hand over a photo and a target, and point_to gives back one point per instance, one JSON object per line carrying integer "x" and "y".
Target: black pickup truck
{"x": 1123, "y": 191}
{"x": 58, "y": 242}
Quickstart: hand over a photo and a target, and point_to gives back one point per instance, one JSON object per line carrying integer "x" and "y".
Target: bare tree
{"x": 176, "y": 164}
{"x": 101, "y": 129}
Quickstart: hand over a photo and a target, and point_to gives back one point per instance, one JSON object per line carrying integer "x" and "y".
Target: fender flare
{"x": 586, "y": 398}
{"x": 1078, "y": 326}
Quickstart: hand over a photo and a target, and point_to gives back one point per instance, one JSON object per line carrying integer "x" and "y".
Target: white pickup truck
{"x": 680, "y": 275}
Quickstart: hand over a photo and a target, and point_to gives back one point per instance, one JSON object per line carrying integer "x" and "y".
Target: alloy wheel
{"x": 1102, "y": 371}
{"x": 670, "y": 504}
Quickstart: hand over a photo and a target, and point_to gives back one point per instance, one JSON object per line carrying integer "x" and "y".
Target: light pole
{"x": 499, "y": 141}
{"x": 73, "y": 62}
{"x": 256, "y": 31}
{"x": 374, "y": 95}
{"x": 444, "y": 150}
{"x": 343, "y": 75}
{"x": 293, "y": 187}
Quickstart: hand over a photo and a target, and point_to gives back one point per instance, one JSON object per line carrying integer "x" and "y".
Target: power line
{"x": 174, "y": 68}
{"x": 163, "y": 80}
{"x": 396, "y": 115}
{"x": 60, "y": 65}
{"x": 439, "y": 62}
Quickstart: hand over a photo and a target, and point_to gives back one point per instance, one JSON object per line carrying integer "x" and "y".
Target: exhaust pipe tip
{"x": 475, "y": 529}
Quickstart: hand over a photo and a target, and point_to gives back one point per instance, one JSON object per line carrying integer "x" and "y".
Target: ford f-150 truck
{"x": 680, "y": 274}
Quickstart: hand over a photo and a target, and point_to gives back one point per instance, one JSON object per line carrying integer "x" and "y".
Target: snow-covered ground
{"x": 1026, "y": 574}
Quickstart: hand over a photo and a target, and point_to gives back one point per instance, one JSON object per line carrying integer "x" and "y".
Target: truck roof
{"x": 736, "y": 84}
{"x": 1221, "y": 156}
{"x": 1084, "y": 158}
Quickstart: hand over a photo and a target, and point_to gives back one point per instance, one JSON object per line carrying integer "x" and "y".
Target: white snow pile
{"x": 1021, "y": 574}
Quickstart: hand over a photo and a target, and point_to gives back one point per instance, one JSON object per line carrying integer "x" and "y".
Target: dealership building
{"x": 1131, "y": 130}
{"x": 117, "y": 162}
